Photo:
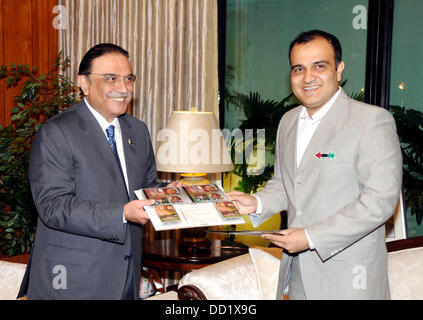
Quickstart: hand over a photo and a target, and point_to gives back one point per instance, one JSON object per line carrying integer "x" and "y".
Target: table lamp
{"x": 192, "y": 145}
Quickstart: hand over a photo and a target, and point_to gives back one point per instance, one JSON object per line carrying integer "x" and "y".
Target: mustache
{"x": 118, "y": 95}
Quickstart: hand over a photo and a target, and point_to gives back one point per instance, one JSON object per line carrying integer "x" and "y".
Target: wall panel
{"x": 27, "y": 37}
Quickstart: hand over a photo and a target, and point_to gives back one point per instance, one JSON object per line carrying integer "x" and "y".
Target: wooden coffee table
{"x": 170, "y": 255}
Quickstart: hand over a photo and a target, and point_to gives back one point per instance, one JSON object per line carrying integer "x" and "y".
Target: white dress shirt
{"x": 104, "y": 124}
{"x": 306, "y": 127}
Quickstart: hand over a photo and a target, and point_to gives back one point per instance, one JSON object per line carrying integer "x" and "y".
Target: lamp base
{"x": 191, "y": 179}
{"x": 193, "y": 240}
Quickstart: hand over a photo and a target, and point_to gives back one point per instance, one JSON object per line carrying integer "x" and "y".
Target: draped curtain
{"x": 172, "y": 46}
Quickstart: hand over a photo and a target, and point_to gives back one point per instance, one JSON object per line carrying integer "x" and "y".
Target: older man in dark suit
{"x": 85, "y": 164}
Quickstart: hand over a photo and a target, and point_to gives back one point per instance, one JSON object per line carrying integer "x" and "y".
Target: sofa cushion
{"x": 11, "y": 275}
{"x": 266, "y": 262}
{"x": 232, "y": 279}
{"x": 405, "y": 272}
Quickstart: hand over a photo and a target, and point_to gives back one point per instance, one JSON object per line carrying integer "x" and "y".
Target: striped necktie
{"x": 112, "y": 143}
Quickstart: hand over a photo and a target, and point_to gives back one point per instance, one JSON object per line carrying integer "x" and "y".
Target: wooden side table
{"x": 169, "y": 255}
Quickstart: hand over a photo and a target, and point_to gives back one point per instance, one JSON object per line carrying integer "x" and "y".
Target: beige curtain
{"x": 172, "y": 46}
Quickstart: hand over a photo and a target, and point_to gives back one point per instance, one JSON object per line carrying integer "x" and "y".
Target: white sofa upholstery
{"x": 405, "y": 271}
{"x": 254, "y": 275}
{"x": 11, "y": 275}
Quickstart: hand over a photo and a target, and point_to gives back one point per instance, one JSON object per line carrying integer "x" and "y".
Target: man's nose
{"x": 309, "y": 76}
{"x": 121, "y": 85}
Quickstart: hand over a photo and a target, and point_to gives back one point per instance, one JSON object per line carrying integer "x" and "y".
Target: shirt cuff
{"x": 123, "y": 216}
{"x": 256, "y": 218}
{"x": 310, "y": 243}
{"x": 259, "y": 209}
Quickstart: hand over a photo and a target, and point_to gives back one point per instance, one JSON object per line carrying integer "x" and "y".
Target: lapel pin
{"x": 330, "y": 155}
{"x": 129, "y": 141}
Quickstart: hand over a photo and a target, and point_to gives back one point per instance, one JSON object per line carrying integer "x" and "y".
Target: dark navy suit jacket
{"x": 81, "y": 241}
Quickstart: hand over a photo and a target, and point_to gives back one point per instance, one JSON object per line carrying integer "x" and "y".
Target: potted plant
{"x": 410, "y": 131}
{"x": 41, "y": 97}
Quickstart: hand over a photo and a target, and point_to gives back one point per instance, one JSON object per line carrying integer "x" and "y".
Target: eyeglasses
{"x": 113, "y": 79}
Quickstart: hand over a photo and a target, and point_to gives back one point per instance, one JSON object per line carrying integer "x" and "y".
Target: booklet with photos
{"x": 165, "y": 195}
{"x": 227, "y": 209}
{"x": 167, "y": 213}
{"x": 205, "y": 193}
{"x": 189, "y": 207}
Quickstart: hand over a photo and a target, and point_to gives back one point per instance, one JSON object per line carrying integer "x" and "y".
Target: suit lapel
{"x": 325, "y": 132}
{"x": 291, "y": 145}
{"x": 129, "y": 146}
{"x": 97, "y": 139}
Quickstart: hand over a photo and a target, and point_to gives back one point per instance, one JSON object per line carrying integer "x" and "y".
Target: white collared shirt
{"x": 104, "y": 124}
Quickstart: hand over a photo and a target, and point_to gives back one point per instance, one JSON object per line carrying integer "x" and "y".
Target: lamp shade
{"x": 192, "y": 142}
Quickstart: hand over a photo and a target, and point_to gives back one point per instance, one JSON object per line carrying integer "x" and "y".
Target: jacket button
{"x": 126, "y": 257}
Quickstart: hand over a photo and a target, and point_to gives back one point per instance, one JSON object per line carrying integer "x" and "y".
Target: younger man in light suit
{"x": 85, "y": 165}
{"x": 338, "y": 172}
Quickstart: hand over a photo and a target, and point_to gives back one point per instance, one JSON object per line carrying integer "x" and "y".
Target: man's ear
{"x": 84, "y": 84}
{"x": 339, "y": 71}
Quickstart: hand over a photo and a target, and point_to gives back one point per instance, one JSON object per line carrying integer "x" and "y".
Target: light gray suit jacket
{"x": 81, "y": 240}
{"x": 342, "y": 202}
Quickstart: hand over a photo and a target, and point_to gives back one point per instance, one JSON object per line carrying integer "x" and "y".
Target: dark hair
{"x": 313, "y": 34}
{"x": 98, "y": 51}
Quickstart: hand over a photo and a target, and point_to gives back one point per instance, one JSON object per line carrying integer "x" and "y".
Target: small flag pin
{"x": 330, "y": 155}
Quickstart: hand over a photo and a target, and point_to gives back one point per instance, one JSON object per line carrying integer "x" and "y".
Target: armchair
{"x": 405, "y": 268}
{"x": 255, "y": 275}
{"x": 252, "y": 276}
{"x": 11, "y": 275}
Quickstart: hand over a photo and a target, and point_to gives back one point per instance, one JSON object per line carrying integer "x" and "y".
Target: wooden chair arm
{"x": 190, "y": 292}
